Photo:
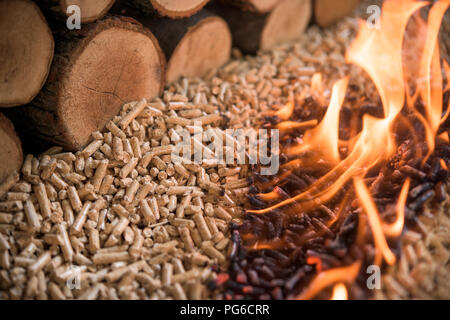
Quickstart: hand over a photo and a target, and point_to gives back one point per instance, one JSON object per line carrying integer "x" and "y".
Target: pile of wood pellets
{"x": 121, "y": 220}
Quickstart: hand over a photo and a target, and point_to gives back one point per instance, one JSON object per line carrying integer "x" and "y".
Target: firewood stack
{"x": 71, "y": 82}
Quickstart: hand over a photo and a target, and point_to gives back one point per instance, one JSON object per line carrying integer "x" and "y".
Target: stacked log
{"x": 95, "y": 71}
{"x": 11, "y": 155}
{"x": 90, "y": 10}
{"x": 26, "y": 51}
{"x": 174, "y": 9}
{"x": 193, "y": 46}
{"x": 328, "y": 12}
{"x": 72, "y": 88}
{"x": 255, "y": 27}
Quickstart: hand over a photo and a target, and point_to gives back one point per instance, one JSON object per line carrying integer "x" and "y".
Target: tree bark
{"x": 95, "y": 71}
{"x": 26, "y": 51}
{"x": 252, "y": 31}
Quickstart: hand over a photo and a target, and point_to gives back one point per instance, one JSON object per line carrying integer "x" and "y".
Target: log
{"x": 260, "y": 6}
{"x": 328, "y": 12}
{"x": 173, "y": 9}
{"x": 26, "y": 51}
{"x": 252, "y": 31}
{"x": 11, "y": 156}
{"x": 91, "y": 10}
{"x": 193, "y": 46}
{"x": 95, "y": 71}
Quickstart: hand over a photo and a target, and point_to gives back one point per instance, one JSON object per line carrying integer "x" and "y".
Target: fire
{"x": 379, "y": 52}
{"x": 339, "y": 292}
{"x": 326, "y": 278}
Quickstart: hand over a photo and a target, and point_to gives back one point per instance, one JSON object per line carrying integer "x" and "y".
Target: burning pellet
{"x": 202, "y": 226}
{"x": 147, "y": 212}
{"x": 421, "y": 199}
{"x": 40, "y": 263}
{"x": 130, "y": 116}
{"x": 66, "y": 246}
{"x": 126, "y": 169}
{"x": 166, "y": 275}
{"x": 44, "y": 202}
{"x": 32, "y": 216}
{"x": 413, "y": 172}
{"x": 81, "y": 218}
{"x": 74, "y": 198}
{"x": 100, "y": 173}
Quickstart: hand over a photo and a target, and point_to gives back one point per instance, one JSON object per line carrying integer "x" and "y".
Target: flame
{"x": 291, "y": 125}
{"x": 374, "y": 220}
{"x": 396, "y": 228}
{"x": 326, "y": 278}
{"x": 339, "y": 292}
{"x": 323, "y": 139}
{"x": 400, "y": 83}
{"x": 285, "y": 112}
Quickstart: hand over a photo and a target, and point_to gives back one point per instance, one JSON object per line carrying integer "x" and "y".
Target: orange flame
{"x": 374, "y": 220}
{"x": 339, "y": 292}
{"x": 326, "y": 278}
{"x": 396, "y": 228}
{"x": 286, "y": 112}
{"x": 323, "y": 139}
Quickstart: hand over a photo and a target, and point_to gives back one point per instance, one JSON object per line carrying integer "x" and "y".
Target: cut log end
{"x": 11, "y": 156}
{"x": 90, "y": 10}
{"x": 205, "y": 47}
{"x": 328, "y": 12}
{"x": 118, "y": 61}
{"x": 178, "y": 9}
{"x": 26, "y": 51}
{"x": 286, "y": 22}
{"x": 260, "y": 6}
